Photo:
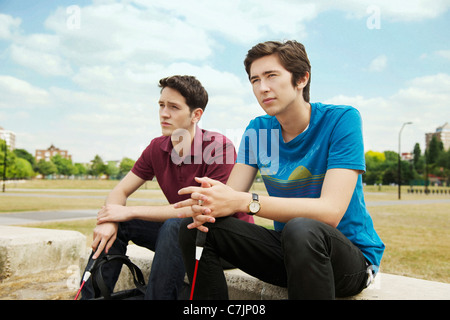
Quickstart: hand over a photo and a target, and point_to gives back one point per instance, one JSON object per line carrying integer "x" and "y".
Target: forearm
{"x": 221, "y": 200}
{"x": 285, "y": 209}
{"x": 120, "y": 213}
{"x": 155, "y": 213}
{"x": 330, "y": 207}
{"x": 116, "y": 197}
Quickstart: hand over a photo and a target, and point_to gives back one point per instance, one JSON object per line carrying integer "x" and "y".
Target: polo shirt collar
{"x": 196, "y": 145}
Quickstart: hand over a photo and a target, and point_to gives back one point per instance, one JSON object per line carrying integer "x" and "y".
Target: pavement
{"x": 22, "y": 218}
{"x": 29, "y": 217}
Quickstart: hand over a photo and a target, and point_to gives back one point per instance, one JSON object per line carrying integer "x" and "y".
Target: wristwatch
{"x": 254, "y": 206}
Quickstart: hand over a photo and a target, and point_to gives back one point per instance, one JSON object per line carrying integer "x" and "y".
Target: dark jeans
{"x": 167, "y": 271}
{"x": 312, "y": 259}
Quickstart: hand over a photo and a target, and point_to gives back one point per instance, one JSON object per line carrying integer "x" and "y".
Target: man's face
{"x": 174, "y": 113}
{"x": 272, "y": 85}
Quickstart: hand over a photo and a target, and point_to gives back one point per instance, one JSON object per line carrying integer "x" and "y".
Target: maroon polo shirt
{"x": 212, "y": 155}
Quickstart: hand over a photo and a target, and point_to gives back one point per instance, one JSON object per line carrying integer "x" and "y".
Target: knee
{"x": 302, "y": 233}
{"x": 171, "y": 226}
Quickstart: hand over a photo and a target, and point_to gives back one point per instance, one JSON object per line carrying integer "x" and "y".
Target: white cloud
{"x": 8, "y": 26}
{"x": 240, "y": 21}
{"x": 444, "y": 54}
{"x": 411, "y": 10}
{"x": 424, "y": 101}
{"x": 41, "y": 62}
{"x": 118, "y": 32}
{"x": 378, "y": 64}
{"x": 17, "y": 93}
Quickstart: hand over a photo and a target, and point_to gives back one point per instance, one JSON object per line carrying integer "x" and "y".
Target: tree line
{"x": 22, "y": 165}
{"x": 382, "y": 167}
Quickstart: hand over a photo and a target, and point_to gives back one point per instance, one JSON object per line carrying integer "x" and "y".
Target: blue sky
{"x": 83, "y": 74}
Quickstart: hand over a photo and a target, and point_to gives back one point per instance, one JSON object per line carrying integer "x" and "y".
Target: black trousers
{"x": 312, "y": 259}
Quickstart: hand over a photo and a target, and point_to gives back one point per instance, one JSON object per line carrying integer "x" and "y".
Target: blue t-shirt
{"x": 297, "y": 169}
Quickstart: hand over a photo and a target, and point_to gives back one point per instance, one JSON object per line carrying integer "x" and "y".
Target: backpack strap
{"x": 97, "y": 274}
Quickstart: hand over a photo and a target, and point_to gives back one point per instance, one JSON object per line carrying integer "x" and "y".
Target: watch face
{"x": 254, "y": 207}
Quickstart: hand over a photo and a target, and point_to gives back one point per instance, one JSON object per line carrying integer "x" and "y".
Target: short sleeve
{"x": 143, "y": 167}
{"x": 248, "y": 147}
{"x": 346, "y": 148}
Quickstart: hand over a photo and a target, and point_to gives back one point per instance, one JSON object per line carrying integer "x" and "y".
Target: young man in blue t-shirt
{"x": 311, "y": 158}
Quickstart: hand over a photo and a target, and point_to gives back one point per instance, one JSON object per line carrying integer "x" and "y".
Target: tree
{"x": 23, "y": 169}
{"x": 125, "y": 166}
{"x": 112, "y": 170}
{"x": 374, "y": 167}
{"x": 80, "y": 169}
{"x": 24, "y": 154}
{"x": 64, "y": 166}
{"x": 434, "y": 149}
{"x": 98, "y": 167}
{"x": 46, "y": 167}
{"x": 417, "y": 155}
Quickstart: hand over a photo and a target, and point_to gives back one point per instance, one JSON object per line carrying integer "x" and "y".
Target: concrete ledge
{"x": 242, "y": 286}
{"x": 385, "y": 287}
{"x": 26, "y": 251}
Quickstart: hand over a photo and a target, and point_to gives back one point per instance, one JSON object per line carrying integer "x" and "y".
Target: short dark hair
{"x": 190, "y": 88}
{"x": 292, "y": 55}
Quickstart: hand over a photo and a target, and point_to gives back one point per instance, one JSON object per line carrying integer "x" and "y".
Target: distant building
{"x": 407, "y": 156}
{"x": 50, "y": 152}
{"x": 9, "y": 137}
{"x": 442, "y": 134}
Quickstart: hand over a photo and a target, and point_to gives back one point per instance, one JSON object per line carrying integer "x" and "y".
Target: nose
{"x": 163, "y": 112}
{"x": 263, "y": 87}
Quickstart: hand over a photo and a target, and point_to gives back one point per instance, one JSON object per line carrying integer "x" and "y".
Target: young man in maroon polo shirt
{"x": 183, "y": 152}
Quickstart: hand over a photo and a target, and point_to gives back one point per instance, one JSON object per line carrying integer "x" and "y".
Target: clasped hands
{"x": 211, "y": 200}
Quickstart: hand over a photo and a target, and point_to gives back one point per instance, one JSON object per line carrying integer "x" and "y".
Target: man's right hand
{"x": 104, "y": 236}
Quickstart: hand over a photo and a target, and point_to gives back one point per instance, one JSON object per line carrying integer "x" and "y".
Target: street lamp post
{"x": 4, "y": 167}
{"x": 399, "y": 160}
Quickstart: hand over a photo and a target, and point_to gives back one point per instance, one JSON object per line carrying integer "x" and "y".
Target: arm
{"x": 105, "y": 234}
{"x": 336, "y": 193}
{"x": 222, "y": 200}
{"x": 115, "y": 210}
{"x": 241, "y": 179}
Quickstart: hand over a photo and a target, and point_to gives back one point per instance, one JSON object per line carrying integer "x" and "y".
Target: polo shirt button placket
{"x": 180, "y": 175}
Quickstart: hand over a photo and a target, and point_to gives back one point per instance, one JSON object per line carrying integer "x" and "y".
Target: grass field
{"x": 417, "y": 237}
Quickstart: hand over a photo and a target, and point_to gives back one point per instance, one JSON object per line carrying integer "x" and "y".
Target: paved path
{"x": 21, "y": 218}
{"x": 404, "y": 202}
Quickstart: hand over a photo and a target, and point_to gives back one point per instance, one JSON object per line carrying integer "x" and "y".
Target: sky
{"x": 83, "y": 75}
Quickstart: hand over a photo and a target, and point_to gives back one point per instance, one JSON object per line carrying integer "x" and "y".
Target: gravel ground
{"x": 40, "y": 286}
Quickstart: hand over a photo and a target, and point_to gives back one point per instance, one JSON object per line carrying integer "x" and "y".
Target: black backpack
{"x": 101, "y": 290}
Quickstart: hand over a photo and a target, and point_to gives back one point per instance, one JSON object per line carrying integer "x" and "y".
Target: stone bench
{"x": 242, "y": 286}
{"x": 25, "y": 251}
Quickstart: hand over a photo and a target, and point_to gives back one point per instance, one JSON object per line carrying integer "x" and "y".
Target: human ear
{"x": 303, "y": 81}
{"x": 197, "y": 115}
